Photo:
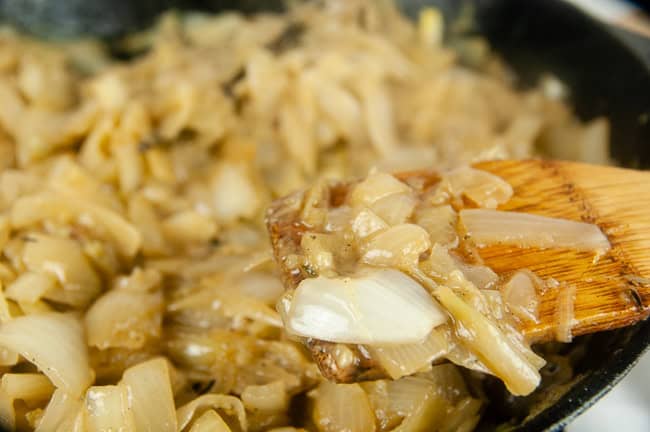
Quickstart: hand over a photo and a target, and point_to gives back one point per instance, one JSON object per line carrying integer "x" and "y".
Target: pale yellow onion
{"x": 342, "y": 407}
{"x": 319, "y": 249}
{"x": 374, "y": 187}
{"x": 440, "y": 223}
{"x": 229, "y": 404}
{"x": 483, "y": 188}
{"x": 63, "y": 259}
{"x": 486, "y": 340}
{"x": 398, "y": 246}
{"x": 234, "y": 194}
{"x": 367, "y": 222}
{"x": 464, "y": 416}
{"x": 106, "y": 408}
{"x": 124, "y": 319}
{"x": 486, "y": 227}
{"x": 150, "y": 396}
{"x": 33, "y": 209}
{"x": 54, "y": 343}
{"x": 401, "y": 360}
{"x": 260, "y": 285}
{"x": 28, "y": 387}
{"x": 382, "y": 307}
{"x": 520, "y": 295}
{"x": 29, "y": 287}
{"x": 189, "y": 227}
{"x": 270, "y": 397}
{"x": 395, "y": 208}
{"x": 61, "y": 412}
{"x": 144, "y": 217}
{"x": 209, "y": 421}
{"x": 564, "y": 313}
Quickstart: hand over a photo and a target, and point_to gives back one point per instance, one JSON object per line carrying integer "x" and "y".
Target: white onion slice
{"x": 406, "y": 359}
{"x": 54, "y": 343}
{"x": 150, "y": 396}
{"x": 529, "y": 230}
{"x": 383, "y": 307}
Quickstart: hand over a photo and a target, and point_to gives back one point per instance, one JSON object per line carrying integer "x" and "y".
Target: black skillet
{"x": 608, "y": 72}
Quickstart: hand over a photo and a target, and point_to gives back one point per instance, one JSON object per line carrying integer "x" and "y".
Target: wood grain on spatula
{"x": 611, "y": 292}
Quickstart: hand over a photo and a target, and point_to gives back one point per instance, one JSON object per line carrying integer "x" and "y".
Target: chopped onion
{"x": 418, "y": 400}
{"x": 375, "y": 187}
{"x": 150, "y": 396}
{"x": 529, "y": 230}
{"x": 367, "y": 222}
{"x": 342, "y": 407}
{"x": 402, "y": 360}
{"x": 54, "y": 343}
{"x": 124, "y": 319}
{"x": 484, "y": 189}
{"x": 440, "y": 223}
{"x": 520, "y": 296}
{"x": 29, "y": 287}
{"x": 399, "y": 246}
{"x": 396, "y": 208}
{"x": 564, "y": 313}
{"x": 382, "y": 307}
{"x": 32, "y": 209}
{"x": 62, "y": 413}
{"x": 486, "y": 340}
{"x": 229, "y": 404}
{"x": 234, "y": 194}
{"x": 209, "y": 421}
{"x": 30, "y": 388}
{"x": 270, "y": 397}
{"x": 189, "y": 226}
{"x": 63, "y": 259}
{"x": 107, "y": 409}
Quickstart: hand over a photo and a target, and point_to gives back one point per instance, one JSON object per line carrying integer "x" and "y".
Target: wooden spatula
{"x": 612, "y": 292}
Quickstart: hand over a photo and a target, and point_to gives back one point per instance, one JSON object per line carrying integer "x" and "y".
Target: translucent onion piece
{"x": 439, "y": 222}
{"x": 376, "y": 186}
{"x": 486, "y": 340}
{"x": 234, "y": 194}
{"x": 29, "y": 287}
{"x": 54, "y": 343}
{"x": 61, "y": 413}
{"x": 189, "y": 226}
{"x": 564, "y": 313}
{"x": 63, "y": 259}
{"x": 520, "y": 295}
{"x": 270, "y": 397}
{"x": 124, "y": 319}
{"x": 395, "y": 209}
{"x": 209, "y": 421}
{"x": 229, "y": 404}
{"x": 27, "y": 387}
{"x": 382, "y": 307}
{"x": 407, "y": 393}
{"x": 528, "y": 230}
{"x": 342, "y": 407}
{"x": 32, "y": 209}
{"x": 107, "y": 409}
{"x": 484, "y": 189}
{"x": 402, "y": 360}
{"x": 399, "y": 246}
{"x": 150, "y": 396}
{"x": 367, "y": 222}
{"x": 262, "y": 286}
